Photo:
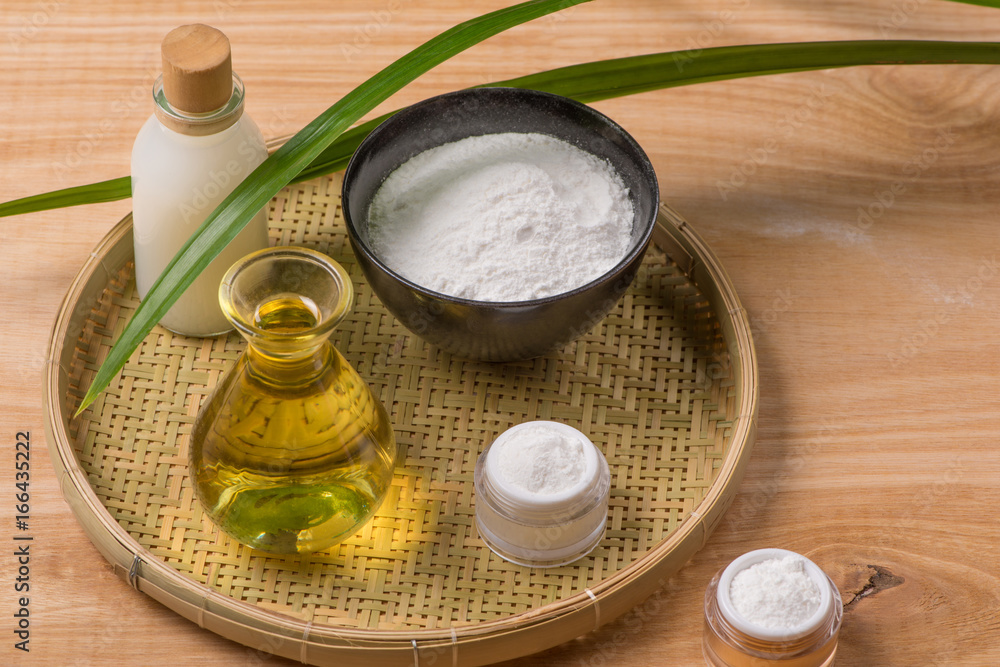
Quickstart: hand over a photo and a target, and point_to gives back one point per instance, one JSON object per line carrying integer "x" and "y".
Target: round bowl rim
{"x": 636, "y": 249}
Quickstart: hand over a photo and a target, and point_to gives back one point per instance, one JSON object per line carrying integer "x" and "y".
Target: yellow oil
{"x": 292, "y": 459}
{"x": 287, "y": 313}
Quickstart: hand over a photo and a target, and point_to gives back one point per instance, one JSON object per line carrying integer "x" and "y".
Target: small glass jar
{"x": 538, "y": 529}
{"x": 730, "y": 640}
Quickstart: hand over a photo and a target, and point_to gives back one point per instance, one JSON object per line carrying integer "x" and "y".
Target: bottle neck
{"x": 285, "y": 302}
{"x": 198, "y": 124}
{"x": 302, "y": 367}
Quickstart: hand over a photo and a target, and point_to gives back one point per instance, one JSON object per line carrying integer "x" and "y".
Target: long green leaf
{"x": 590, "y": 82}
{"x": 587, "y": 82}
{"x": 605, "y": 79}
{"x": 982, "y": 3}
{"x": 223, "y": 224}
{"x": 628, "y": 76}
{"x": 94, "y": 193}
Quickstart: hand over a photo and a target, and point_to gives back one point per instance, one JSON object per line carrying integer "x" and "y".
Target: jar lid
{"x": 521, "y": 499}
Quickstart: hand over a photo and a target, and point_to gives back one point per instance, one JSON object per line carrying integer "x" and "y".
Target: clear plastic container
{"x": 730, "y": 640}
{"x": 537, "y": 529}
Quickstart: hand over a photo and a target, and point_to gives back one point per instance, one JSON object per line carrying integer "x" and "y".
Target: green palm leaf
{"x": 324, "y": 146}
{"x": 313, "y": 152}
{"x": 94, "y": 193}
{"x": 983, "y": 3}
{"x": 590, "y": 82}
{"x": 223, "y": 224}
{"x": 605, "y": 79}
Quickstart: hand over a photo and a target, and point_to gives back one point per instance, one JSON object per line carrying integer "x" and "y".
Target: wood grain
{"x": 854, "y": 209}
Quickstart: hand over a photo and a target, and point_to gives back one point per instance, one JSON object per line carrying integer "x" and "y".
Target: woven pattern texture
{"x": 647, "y": 385}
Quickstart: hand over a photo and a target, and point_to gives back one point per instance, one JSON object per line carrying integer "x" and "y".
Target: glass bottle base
{"x": 290, "y": 516}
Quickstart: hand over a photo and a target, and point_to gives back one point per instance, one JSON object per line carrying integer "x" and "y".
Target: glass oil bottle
{"x": 292, "y": 452}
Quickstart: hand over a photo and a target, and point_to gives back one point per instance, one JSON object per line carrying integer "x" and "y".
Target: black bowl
{"x": 485, "y": 330}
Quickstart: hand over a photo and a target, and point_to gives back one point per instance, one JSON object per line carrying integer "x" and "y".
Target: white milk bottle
{"x": 191, "y": 153}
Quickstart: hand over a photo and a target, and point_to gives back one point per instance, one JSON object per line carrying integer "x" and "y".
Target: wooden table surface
{"x": 855, "y": 210}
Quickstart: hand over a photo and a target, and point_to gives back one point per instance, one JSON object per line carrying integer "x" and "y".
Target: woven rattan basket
{"x": 666, "y": 386}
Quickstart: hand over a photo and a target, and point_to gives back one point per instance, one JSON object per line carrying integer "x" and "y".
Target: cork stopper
{"x": 197, "y": 68}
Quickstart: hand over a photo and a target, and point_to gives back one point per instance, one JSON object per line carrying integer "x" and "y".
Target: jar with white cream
{"x": 771, "y": 607}
{"x": 542, "y": 493}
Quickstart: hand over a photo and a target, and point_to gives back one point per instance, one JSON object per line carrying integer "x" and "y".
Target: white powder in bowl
{"x": 502, "y": 217}
{"x": 541, "y": 460}
{"x": 777, "y": 593}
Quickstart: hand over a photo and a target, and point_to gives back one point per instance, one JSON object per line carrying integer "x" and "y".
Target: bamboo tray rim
{"x": 248, "y": 623}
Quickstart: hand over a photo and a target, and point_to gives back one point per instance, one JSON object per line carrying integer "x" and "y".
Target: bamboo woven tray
{"x": 666, "y": 386}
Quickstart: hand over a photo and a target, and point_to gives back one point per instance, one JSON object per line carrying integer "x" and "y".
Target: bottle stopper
{"x": 197, "y": 69}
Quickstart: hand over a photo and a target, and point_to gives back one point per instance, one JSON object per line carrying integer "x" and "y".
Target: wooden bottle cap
{"x": 197, "y": 68}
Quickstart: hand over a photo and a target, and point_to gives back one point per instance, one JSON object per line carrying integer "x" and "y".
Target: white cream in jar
{"x": 771, "y": 606}
{"x": 542, "y": 493}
